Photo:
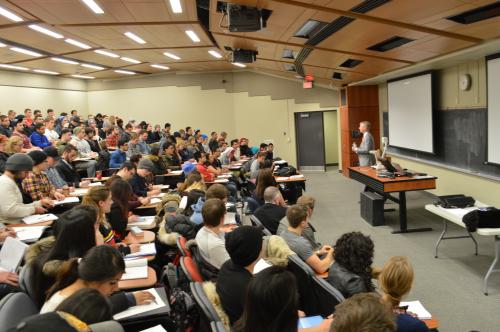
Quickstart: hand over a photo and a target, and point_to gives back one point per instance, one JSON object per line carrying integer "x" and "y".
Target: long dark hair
{"x": 100, "y": 264}
{"x": 264, "y": 180}
{"x": 354, "y": 251}
{"x": 271, "y": 303}
{"x": 88, "y": 305}
{"x": 121, "y": 192}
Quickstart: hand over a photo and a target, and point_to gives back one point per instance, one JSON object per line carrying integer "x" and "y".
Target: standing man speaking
{"x": 367, "y": 145}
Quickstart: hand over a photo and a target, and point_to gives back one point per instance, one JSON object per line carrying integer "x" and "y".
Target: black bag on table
{"x": 488, "y": 217}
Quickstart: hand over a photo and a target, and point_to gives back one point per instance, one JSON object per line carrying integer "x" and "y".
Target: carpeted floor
{"x": 450, "y": 286}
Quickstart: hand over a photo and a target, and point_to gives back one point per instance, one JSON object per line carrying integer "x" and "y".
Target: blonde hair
{"x": 396, "y": 279}
{"x": 277, "y": 251}
{"x": 13, "y": 140}
{"x": 93, "y": 197}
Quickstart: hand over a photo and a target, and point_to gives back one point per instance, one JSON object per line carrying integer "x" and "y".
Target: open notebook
{"x": 135, "y": 269}
{"x": 38, "y": 218}
{"x": 139, "y": 309}
{"x": 29, "y": 233}
{"x": 147, "y": 249}
{"x": 11, "y": 254}
{"x": 417, "y": 308}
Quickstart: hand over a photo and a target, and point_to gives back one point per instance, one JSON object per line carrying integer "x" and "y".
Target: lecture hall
{"x": 249, "y": 165}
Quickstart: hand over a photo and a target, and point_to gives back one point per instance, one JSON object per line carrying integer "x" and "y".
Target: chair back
{"x": 107, "y": 326}
{"x": 207, "y": 311}
{"x": 181, "y": 245}
{"x": 190, "y": 269}
{"x": 218, "y": 327}
{"x": 207, "y": 270}
{"x": 303, "y": 273}
{"x": 257, "y": 223}
{"x": 27, "y": 283}
{"x": 252, "y": 205}
{"x": 327, "y": 296}
{"x": 14, "y": 308}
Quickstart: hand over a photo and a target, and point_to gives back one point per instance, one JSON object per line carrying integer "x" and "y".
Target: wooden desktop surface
{"x": 402, "y": 183}
{"x": 139, "y": 283}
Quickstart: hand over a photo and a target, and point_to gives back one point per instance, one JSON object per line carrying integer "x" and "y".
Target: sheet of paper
{"x": 37, "y": 218}
{"x": 139, "y": 309}
{"x": 95, "y": 184}
{"x": 417, "y": 308}
{"x": 224, "y": 176}
{"x": 12, "y": 254}
{"x": 79, "y": 192}
{"x": 298, "y": 176}
{"x": 139, "y": 272}
{"x": 157, "y": 328}
{"x": 136, "y": 262}
{"x": 179, "y": 172}
{"x": 282, "y": 178}
{"x": 230, "y": 218}
{"x": 143, "y": 221}
{"x": 260, "y": 265}
{"x": 147, "y": 249}
{"x": 30, "y": 233}
{"x": 67, "y": 200}
{"x": 155, "y": 200}
{"x": 221, "y": 180}
{"x": 183, "y": 203}
{"x": 163, "y": 186}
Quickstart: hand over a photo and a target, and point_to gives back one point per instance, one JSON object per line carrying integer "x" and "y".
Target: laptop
{"x": 11, "y": 254}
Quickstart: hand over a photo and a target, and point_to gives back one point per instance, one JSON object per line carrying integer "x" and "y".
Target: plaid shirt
{"x": 112, "y": 140}
{"x": 38, "y": 186}
{"x": 26, "y": 140}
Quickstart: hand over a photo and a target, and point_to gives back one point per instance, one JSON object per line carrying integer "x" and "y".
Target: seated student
{"x": 12, "y": 209}
{"x": 270, "y": 152}
{"x": 38, "y": 137}
{"x": 119, "y": 156}
{"x": 5, "y": 126}
{"x": 133, "y": 145}
{"x": 66, "y": 170}
{"x": 64, "y": 141}
{"x": 255, "y": 166}
{"x": 86, "y": 306}
{"x": 194, "y": 181}
{"x": 245, "y": 150}
{"x": 37, "y": 184}
{"x": 319, "y": 260}
{"x": 201, "y": 166}
{"x": 159, "y": 164}
{"x": 351, "y": 273}
{"x": 19, "y": 132}
{"x": 52, "y": 158}
{"x": 213, "y": 144}
{"x": 172, "y": 160}
{"x": 244, "y": 245}
{"x": 273, "y": 210}
{"x": 90, "y": 137}
{"x": 363, "y": 312}
{"x": 75, "y": 232}
{"x": 183, "y": 151}
{"x": 210, "y": 239}
{"x": 138, "y": 181}
{"x": 15, "y": 145}
{"x": 119, "y": 216}
{"x": 272, "y": 303}
{"x": 264, "y": 180}
{"x": 143, "y": 145}
{"x": 113, "y": 136}
{"x": 308, "y": 232}
{"x": 9, "y": 281}
{"x": 84, "y": 151}
{"x": 395, "y": 281}
{"x": 154, "y": 136}
{"x": 101, "y": 268}
{"x": 3, "y": 154}
{"x": 100, "y": 198}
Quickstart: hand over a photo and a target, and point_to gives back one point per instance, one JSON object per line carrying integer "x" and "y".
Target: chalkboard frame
{"x": 434, "y": 102}
{"x": 487, "y": 59}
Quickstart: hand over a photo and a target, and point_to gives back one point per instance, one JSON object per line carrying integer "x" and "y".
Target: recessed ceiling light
{"x": 215, "y": 54}
{"x": 160, "y": 67}
{"x": 77, "y": 43}
{"x": 25, "y": 51}
{"x": 86, "y": 65}
{"x": 41, "y": 71}
{"x": 70, "y": 62}
{"x": 135, "y": 38}
{"x": 172, "y": 56}
{"x": 237, "y": 64}
{"x": 176, "y": 6}
{"x": 194, "y": 37}
{"x": 126, "y": 72}
{"x": 45, "y": 31}
{"x": 12, "y": 67}
{"x": 93, "y": 6}
{"x": 130, "y": 60}
{"x": 106, "y": 53}
{"x": 84, "y": 76}
{"x": 10, "y": 15}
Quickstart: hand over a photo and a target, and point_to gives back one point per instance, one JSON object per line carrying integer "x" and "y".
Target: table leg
{"x": 492, "y": 267}
{"x": 403, "y": 228}
{"x": 445, "y": 228}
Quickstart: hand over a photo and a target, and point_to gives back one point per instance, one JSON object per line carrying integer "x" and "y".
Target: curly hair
{"x": 354, "y": 251}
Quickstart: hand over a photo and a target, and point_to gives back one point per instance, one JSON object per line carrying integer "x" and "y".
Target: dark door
{"x": 310, "y": 140}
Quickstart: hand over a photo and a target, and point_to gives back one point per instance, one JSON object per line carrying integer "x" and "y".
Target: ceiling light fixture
{"x": 86, "y": 65}
{"x": 77, "y": 43}
{"x": 25, "y": 51}
{"x": 45, "y": 31}
{"x": 194, "y": 37}
{"x": 126, "y": 72}
{"x": 135, "y": 37}
{"x": 160, "y": 67}
{"x": 10, "y": 15}
{"x": 106, "y": 53}
{"x": 172, "y": 56}
{"x": 237, "y": 64}
{"x": 41, "y": 71}
{"x": 176, "y": 6}
{"x": 215, "y": 54}
{"x": 130, "y": 60}
{"x": 93, "y": 6}
{"x": 70, "y": 62}
{"x": 84, "y": 76}
{"x": 12, "y": 67}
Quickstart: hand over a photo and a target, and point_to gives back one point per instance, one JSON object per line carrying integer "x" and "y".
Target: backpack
{"x": 182, "y": 225}
{"x": 286, "y": 171}
{"x": 183, "y": 310}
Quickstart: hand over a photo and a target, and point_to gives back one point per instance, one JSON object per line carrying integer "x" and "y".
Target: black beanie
{"x": 37, "y": 156}
{"x": 244, "y": 245}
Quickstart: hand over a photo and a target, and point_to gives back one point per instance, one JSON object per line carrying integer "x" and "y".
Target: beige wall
{"x": 21, "y": 90}
{"x": 331, "y": 131}
{"x": 451, "y": 97}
